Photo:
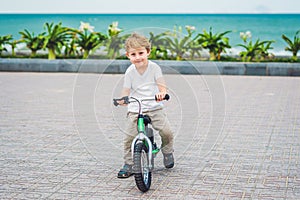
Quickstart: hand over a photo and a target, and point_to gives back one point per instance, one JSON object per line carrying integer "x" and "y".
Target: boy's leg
{"x": 161, "y": 123}
{"x": 126, "y": 171}
{"x": 131, "y": 132}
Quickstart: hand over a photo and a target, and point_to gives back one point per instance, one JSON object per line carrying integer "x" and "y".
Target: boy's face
{"x": 138, "y": 57}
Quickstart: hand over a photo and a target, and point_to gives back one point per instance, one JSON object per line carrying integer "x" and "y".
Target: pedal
{"x": 155, "y": 149}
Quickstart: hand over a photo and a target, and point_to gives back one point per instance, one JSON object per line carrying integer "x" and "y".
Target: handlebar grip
{"x": 115, "y": 102}
{"x": 125, "y": 98}
{"x": 167, "y": 97}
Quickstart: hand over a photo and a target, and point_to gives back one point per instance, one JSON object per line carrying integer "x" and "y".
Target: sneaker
{"x": 169, "y": 160}
{"x": 125, "y": 172}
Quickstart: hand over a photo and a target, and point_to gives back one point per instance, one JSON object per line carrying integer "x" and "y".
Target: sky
{"x": 150, "y": 6}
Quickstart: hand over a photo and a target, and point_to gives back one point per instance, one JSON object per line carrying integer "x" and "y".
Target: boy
{"x": 144, "y": 78}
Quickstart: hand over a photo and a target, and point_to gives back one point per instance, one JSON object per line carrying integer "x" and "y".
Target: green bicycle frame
{"x": 141, "y": 130}
{"x": 140, "y": 124}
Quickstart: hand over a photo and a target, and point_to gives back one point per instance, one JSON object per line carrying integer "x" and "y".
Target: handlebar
{"x": 127, "y": 101}
{"x": 167, "y": 97}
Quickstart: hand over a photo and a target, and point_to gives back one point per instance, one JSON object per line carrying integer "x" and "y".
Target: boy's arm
{"x": 125, "y": 92}
{"x": 161, "y": 83}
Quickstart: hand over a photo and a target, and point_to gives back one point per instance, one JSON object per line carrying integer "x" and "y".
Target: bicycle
{"x": 143, "y": 147}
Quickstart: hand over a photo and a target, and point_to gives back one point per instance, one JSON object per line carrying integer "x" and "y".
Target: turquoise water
{"x": 262, "y": 26}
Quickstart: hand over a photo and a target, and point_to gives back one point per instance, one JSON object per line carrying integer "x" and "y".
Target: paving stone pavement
{"x": 236, "y": 137}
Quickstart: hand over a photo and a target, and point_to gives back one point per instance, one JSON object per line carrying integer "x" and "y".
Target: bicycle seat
{"x": 147, "y": 120}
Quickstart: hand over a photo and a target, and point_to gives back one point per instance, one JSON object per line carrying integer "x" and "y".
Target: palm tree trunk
{"x": 33, "y": 53}
{"x": 219, "y": 55}
{"x": 51, "y": 54}
{"x": 294, "y": 57}
{"x": 86, "y": 54}
{"x": 13, "y": 52}
{"x": 212, "y": 56}
{"x": 178, "y": 57}
{"x": 110, "y": 53}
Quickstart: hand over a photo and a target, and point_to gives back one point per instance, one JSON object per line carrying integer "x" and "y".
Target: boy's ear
{"x": 148, "y": 51}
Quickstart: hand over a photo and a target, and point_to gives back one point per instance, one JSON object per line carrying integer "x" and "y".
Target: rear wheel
{"x": 142, "y": 172}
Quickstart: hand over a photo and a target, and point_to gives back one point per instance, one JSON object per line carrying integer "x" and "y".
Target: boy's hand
{"x": 160, "y": 96}
{"x": 121, "y": 102}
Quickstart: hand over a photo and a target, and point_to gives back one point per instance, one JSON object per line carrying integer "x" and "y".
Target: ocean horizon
{"x": 261, "y": 26}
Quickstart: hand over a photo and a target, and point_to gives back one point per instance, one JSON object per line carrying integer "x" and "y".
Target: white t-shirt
{"x": 143, "y": 86}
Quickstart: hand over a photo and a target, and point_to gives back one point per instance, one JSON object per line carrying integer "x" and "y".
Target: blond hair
{"x": 136, "y": 41}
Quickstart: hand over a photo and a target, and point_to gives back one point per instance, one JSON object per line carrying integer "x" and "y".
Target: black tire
{"x": 142, "y": 172}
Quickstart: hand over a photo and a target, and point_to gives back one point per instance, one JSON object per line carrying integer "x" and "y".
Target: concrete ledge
{"x": 256, "y": 69}
{"x": 284, "y": 69}
{"x": 168, "y": 67}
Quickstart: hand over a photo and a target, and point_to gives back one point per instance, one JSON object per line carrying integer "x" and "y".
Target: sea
{"x": 261, "y": 26}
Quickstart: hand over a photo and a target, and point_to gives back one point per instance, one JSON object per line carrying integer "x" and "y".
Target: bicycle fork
{"x": 142, "y": 137}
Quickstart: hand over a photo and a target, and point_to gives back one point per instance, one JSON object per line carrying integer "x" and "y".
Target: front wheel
{"x": 142, "y": 172}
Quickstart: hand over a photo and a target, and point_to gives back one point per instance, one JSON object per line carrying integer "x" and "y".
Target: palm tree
{"x": 178, "y": 45}
{"x": 71, "y": 48}
{"x": 114, "y": 43}
{"x": 265, "y": 49}
{"x": 34, "y": 43}
{"x": 158, "y": 45}
{"x": 193, "y": 45}
{"x": 13, "y": 45}
{"x": 294, "y": 46}
{"x": 252, "y": 50}
{"x": 4, "y": 40}
{"x": 56, "y": 37}
{"x": 88, "y": 41}
{"x": 257, "y": 50}
{"x": 215, "y": 43}
{"x": 194, "y": 48}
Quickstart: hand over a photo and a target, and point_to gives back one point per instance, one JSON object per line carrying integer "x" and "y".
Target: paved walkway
{"x": 236, "y": 137}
